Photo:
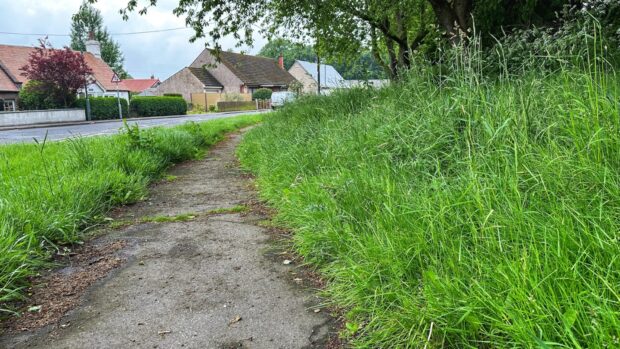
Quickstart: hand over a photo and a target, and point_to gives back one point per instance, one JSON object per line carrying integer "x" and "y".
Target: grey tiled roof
{"x": 256, "y": 71}
{"x": 205, "y": 77}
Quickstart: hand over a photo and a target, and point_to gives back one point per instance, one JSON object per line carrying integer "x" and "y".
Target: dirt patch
{"x": 59, "y": 291}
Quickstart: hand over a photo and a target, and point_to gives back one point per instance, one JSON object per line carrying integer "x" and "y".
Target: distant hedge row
{"x": 103, "y": 108}
{"x": 158, "y": 106}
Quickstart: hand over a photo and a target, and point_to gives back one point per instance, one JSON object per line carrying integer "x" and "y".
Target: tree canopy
{"x": 88, "y": 19}
{"x": 58, "y": 74}
{"x": 395, "y": 31}
{"x": 357, "y": 67}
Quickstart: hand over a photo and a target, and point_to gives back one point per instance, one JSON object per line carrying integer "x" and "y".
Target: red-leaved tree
{"x": 58, "y": 73}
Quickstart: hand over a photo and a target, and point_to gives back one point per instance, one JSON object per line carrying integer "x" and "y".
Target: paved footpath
{"x": 56, "y": 132}
{"x": 202, "y": 283}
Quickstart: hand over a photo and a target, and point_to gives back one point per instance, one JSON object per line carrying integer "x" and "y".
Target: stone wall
{"x": 30, "y": 117}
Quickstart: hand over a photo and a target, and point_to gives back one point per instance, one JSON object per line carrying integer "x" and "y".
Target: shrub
{"x": 173, "y": 95}
{"x": 103, "y": 108}
{"x": 34, "y": 96}
{"x": 158, "y": 106}
{"x": 212, "y": 108}
{"x": 262, "y": 93}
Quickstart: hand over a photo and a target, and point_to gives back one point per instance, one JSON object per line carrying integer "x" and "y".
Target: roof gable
{"x": 7, "y": 81}
{"x": 329, "y": 76}
{"x": 256, "y": 71}
{"x": 15, "y": 57}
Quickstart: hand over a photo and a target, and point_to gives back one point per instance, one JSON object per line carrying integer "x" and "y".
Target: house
{"x": 306, "y": 73}
{"x": 12, "y": 58}
{"x": 228, "y": 72}
{"x": 9, "y": 90}
{"x": 138, "y": 86}
{"x": 187, "y": 81}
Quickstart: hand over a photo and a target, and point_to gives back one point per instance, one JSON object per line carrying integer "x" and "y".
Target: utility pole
{"x": 318, "y": 73}
{"x": 86, "y": 94}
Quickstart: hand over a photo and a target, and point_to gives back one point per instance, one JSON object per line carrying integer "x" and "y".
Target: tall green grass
{"x": 479, "y": 213}
{"x": 50, "y": 193}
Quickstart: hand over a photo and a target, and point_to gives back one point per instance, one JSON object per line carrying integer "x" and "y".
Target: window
{"x": 8, "y": 104}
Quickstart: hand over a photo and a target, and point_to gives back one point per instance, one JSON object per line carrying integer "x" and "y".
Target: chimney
{"x": 93, "y": 45}
{"x": 281, "y": 61}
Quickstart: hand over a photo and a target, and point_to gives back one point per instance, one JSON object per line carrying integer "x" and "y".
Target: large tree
{"x": 290, "y": 50}
{"x": 89, "y": 20}
{"x": 394, "y": 30}
{"x": 56, "y": 74}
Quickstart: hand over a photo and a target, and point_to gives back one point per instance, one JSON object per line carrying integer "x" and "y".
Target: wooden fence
{"x": 236, "y": 106}
{"x": 205, "y": 100}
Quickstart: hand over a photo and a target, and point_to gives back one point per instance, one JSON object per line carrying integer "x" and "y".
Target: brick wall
{"x": 308, "y": 82}
{"x": 183, "y": 82}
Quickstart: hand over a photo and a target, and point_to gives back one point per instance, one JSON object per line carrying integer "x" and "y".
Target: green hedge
{"x": 103, "y": 108}
{"x": 173, "y": 95}
{"x": 262, "y": 93}
{"x": 158, "y": 106}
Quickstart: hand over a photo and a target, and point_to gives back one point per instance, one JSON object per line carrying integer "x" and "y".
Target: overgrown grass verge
{"x": 50, "y": 193}
{"x": 479, "y": 214}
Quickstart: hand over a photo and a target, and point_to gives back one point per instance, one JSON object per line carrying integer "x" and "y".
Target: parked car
{"x": 278, "y": 99}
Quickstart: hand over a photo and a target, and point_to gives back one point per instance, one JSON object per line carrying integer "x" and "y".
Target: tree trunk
{"x": 454, "y": 17}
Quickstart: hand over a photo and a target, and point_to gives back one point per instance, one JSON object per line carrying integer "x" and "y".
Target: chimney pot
{"x": 93, "y": 46}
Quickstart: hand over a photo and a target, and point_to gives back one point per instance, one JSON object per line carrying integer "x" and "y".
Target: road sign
{"x": 115, "y": 78}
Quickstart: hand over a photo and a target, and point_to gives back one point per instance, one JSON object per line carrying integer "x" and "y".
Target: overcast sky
{"x": 161, "y": 54}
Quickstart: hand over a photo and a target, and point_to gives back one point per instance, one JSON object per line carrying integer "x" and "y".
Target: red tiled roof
{"x": 15, "y": 57}
{"x": 139, "y": 85}
{"x": 6, "y": 82}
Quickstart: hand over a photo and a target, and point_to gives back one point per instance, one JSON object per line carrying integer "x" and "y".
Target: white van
{"x": 278, "y": 99}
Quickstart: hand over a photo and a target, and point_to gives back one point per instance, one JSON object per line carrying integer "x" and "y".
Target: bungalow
{"x": 308, "y": 76}
{"x": 227, "y": 72}
{"x": 12, "y": 58}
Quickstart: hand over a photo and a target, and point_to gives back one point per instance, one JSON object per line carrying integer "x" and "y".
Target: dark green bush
{"x": 103, "y": 108}
{"x": 173, "y": 95}
{"x": 158, "y": 106}
{"x": 36, "y": 96}
{"x": 262, "y": 93}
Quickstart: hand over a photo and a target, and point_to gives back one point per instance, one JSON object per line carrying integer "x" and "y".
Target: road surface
{"x": 98, "y": 128}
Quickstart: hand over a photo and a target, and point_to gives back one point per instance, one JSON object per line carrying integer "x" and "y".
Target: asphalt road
{"x": 96, "y": 129}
